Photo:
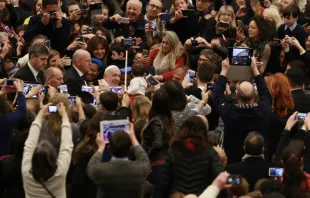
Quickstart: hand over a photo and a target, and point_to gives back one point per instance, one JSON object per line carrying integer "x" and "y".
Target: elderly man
{"x": 112, "y": 76}
{"x": 53, "y": 77}
{"x": 134, "y": 28}
{"x": 4, "y": 50}
{"x": 74, "y": 77}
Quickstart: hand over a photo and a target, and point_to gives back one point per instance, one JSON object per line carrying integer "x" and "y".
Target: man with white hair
{"x": 53, "y": 77}
{"x": 74, "y": 77}
{"x": 134, "y": 28}
{"x": 112, "y": 76}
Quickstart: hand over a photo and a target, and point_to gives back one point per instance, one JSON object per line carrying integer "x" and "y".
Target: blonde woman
{"x": 140, "y": 108}
{"x": 273, "y": 14}
{"x": 226, "y": 22}
{"x": 170, "y": 55}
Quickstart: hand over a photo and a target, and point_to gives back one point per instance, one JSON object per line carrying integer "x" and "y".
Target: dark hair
{"x": 45, "y": 3}
{"x": 38, "y": 49}
{"x": 138, "y": 69}
{"x": 176, "y": 95}
{"x": 89, "y": 111}
{"x": 104, "y": 31}
{"x": 70, "y": 3}
{"x": 192, "y": 136}
{"x": 254, "y": 143}
{"x": 93, "y": 44}
{"x": 291, "y": 10}
{"x": 5, "y": 106}
{"x": 223, "y": 43}
{"x": 205, "y": 71}
{"x": 293, "y": 175}
{"x": 84, "y": 128}
{"x": 266, "y": 28}
{"x": 44, "y": 161}
{"x": 109, "y": 100}
{"x": 118, "y": 48}
{"x": 270, "y": 185}
{"x": 161, "y": 107}
{"x": 213, "y": 57}
{"x": 296, "y": 76}
{"x": 40, "y": 36}
{"x": 119, "y": 144}
{"x": 21, "y": 28}
{"x": 88, "y": 143}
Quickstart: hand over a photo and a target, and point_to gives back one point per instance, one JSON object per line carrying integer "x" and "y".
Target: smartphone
{"x": 255, "y": 86}
{"x": 124, "y": 20}
{"x": 191, "y": 75}
{"x": 116, "y": 89}
{"x": 188, "y": 12}
{"x": 210, "y": 86}
{"x": 275, "y": 172}
{"x": 129, "y": 42}
{"x": 301, "y": 116}
{"x": 240, "y": 24}
{"x": 52, "y": 109}
{"x": 151, "y": 80}
{"x": 63, "y": 89}
{"x": 9, "y": 83}
{"x": 72, "y": 99}
{"x": 88, "y": 89}
{"x": 165, "y": 17}
{"x": 224, "y": 24}
{"x": 9, "y": 31}
{"x": 240, "y": 56}
{"x": 81, "y": 38}
{"x": 48, "y": 43}
{"x": 44, "y": 89}
{"x": 108, "y": 128}
{"x": 28, "y": 87}
{"x": 234, "y": 179}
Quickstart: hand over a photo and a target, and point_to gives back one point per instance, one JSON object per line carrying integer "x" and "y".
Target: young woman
{"x": 44, "y": 172}
{"x": 169, "y": 56}
{"x": 157, "y": 135}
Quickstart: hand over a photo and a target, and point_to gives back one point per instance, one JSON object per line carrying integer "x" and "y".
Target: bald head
{"x": 53, "y": 77}
{"x": 246, "y": 92}
{"x": 81, "y": 59}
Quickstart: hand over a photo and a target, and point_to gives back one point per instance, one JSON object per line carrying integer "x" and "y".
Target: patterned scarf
{"x": 258, "y": 47}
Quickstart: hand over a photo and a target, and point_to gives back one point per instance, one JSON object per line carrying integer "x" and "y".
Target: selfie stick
{"x": 126, "y": 65}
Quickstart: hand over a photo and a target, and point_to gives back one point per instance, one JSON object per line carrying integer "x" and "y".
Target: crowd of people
{"x": 154, "y": 98}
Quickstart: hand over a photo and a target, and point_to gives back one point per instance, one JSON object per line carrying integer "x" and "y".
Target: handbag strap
{"x": 49, "y": 192}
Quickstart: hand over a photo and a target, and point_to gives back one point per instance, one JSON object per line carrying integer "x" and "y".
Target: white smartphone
{"x": 108, "y": 128}
{"x": 124, "y": 20}
{"x": 88, "y": 89}
{"x": 191, "y": 75}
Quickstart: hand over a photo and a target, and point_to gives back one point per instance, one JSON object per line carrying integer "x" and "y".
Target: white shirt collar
{"x": 292, "y": 27}
{"x": 33, "y": 70}
{"x": 79, "y": 72}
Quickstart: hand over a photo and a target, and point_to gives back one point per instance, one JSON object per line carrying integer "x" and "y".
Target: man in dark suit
{"x": 254, "y": 166}
{"x": 245, "y": 116}
{"x": 296, "y": 77}
{"x": 74, "y": 77}
{"x": 33, "y": 71}
{"x": 120, "y": 177}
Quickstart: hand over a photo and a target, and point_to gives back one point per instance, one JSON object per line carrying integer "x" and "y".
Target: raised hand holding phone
{"x": 291, "y": 121}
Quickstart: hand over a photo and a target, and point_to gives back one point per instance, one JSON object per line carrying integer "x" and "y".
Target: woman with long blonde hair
{"x": 140, "y": 108}
{"x": 273, "y": 14}
{"x": 226, "y": 15}
{"x": 170, "y": 55}
{"x": 282, "y": 108}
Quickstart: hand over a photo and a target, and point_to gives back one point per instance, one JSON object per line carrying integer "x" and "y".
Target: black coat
{"x": 301, "y": 101}
{"x": 26, "y": 74}
{"x": 239, "y": 120}
{"x": 59, "y": 36}
{"x": 191, "y": 172}
{"x": 74, "y": 83}
{"x": 252, "y": 169}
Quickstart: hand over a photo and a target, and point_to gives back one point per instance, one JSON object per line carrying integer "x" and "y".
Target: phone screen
{"x": 165, "y": 17}
{"x": 276, "y": 172}
{"x": 240, "y": 56}
{"x": 117, "y": 90}
{"x": 52, "y": 109}
{"x": 9, "y": 82}
{"x": 191, "y": 75}
{"x": 88, "y": 89}
{"x": 151, "y": 80}
{"x": 108, "y": 128}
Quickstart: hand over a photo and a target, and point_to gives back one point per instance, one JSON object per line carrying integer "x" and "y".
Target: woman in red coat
{"x": 170, "y": 55}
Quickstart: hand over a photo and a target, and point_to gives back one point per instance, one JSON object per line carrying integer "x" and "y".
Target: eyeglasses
{"x": 226, "y": 14}
{"x": 154, "y": 6}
